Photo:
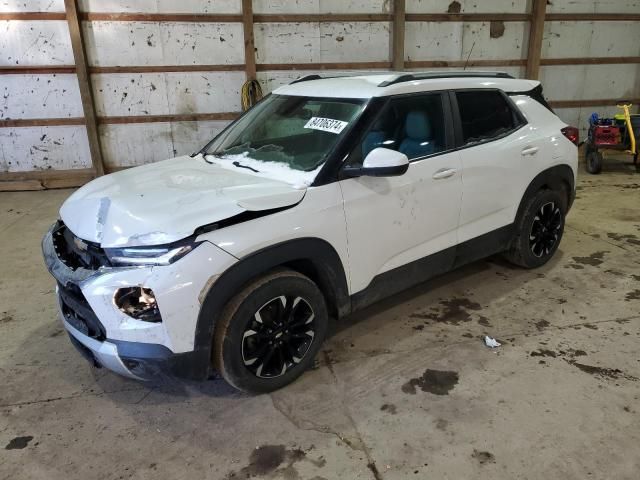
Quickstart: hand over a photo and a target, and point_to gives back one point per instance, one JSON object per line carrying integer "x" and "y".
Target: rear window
{"x": 485, "y": 115}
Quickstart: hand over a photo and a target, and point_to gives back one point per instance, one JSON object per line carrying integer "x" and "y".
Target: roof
{"x": 367, "y": 86}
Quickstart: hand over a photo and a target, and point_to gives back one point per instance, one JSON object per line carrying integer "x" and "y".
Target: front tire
{"x": 538, "y": 230}
{"x": 270, "y": 332}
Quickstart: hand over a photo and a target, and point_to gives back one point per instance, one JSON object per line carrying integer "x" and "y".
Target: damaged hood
{"x": 166, "y": 201}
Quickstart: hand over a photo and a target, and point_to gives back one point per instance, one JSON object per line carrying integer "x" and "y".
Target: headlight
{"x": 145, "y": 256}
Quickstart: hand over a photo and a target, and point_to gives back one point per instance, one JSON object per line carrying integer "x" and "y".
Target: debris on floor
{"x": 491, "y": 342}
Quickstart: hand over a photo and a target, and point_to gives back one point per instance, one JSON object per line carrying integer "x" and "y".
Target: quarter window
{"x": 485, "y": 115}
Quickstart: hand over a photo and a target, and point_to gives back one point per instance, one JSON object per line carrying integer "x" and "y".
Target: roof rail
{"x": 315, "y": 76}
{"x": 409, "y": 77}
{"x": 306, "y": 78}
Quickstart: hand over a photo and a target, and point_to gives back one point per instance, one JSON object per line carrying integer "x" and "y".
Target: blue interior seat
{"x": 419, "y": 138}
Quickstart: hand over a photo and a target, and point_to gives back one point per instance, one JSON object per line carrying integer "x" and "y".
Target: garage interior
{"x": 91, "y": 87}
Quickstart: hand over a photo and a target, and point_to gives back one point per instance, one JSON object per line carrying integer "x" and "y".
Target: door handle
{"x": 444, "y": 173}
{"x": 529, "y": 150}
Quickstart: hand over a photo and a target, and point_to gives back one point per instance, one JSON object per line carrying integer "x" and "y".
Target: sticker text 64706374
{"x": 326, "y": 124}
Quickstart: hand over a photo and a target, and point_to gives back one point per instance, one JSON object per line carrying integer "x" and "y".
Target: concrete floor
{"x": 558, "y": 400}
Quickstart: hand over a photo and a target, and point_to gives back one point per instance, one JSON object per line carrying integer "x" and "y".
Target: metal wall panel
{"x": 123, "y": 148}
{"x": 31, "y": 5}
{"x": 458, "y": 41}
{"x": 43, "y": 148}
{"x": 161, "y": 6}
{"x": 167, "y": 93}
{"x": 321, "y": 6}
{"x": 39, "y": 96}
{"x": 321, "y": 42}
{"x": 594, "y": 6}
{"x": 591, "y": 39}
{"x": 35, "y": 42}
{"x": 169, "y": 43}
{"x": 469, "y": 6}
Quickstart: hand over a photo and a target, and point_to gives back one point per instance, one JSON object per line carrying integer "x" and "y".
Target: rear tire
{"x": 594, "y": 161}
{"x": 538, "y": 230}
{"x": 270, "y": 332}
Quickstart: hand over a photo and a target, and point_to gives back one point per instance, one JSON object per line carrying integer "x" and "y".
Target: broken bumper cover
{"x": 140, "y": 361}
{"x": 101, "y": 354}
{"x": 130, "y": 347}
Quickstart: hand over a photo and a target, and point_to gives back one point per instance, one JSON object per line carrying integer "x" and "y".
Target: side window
{"x": 413, "y": 125}
{"x": 485, "y": 115}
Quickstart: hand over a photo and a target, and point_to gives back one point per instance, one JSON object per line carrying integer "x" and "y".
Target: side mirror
{"x": 380, "y": 162}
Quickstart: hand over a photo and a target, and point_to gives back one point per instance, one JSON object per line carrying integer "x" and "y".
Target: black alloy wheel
{"x": 538, "y": 228}
{"x": 278, "y": 336}
{"x": 545, "y": 229}
{"x": 270, "y": 332}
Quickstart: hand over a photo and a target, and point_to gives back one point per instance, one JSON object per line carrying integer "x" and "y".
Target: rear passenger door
{"x": 492, "y": 147}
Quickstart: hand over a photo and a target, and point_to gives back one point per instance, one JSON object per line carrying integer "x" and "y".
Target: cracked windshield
{"x": 285, "y": 133}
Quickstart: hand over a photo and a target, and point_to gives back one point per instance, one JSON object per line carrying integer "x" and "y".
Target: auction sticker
{"x": 326, "y": 124}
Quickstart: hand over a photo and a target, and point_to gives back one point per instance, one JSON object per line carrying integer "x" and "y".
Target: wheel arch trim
{"x": 555, "y": 178}
{"x": 328, "y": 271}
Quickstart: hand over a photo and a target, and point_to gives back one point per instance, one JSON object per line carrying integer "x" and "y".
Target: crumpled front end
{"x": 95, "y": 306}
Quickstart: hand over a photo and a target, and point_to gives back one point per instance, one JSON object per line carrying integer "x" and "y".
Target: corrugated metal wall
{"x": 150, "y": 110}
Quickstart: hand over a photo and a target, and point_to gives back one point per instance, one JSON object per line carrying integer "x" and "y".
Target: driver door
{"x": 402, "y": 230}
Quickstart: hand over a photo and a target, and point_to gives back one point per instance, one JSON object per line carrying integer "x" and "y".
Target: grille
{"x": 78, "y": 313}
{"x": 77, "y": 253}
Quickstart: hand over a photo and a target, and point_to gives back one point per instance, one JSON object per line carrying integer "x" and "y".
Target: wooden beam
{"x": 321, "y": 17}
{"x": 592, "y": 17}
{"x": 600, "y": 102}
{"x": 263, "y": 67}
{"x": 161, "y": 17}
{"x": 20, "y": 185}
{"x": 182, "y": 117}
{"x": 462, "y": 63}
{"x": 249, "y": 41}
{"x": 43, "y": 179}
{"x": 340, "y": 65}
{"x": 467, "y": 17}
{"x": 84, "y": 83}
{"x": 41, "y": 122}
{"x": 536, "y": 31}
{"x": 397, "y": 39}
{"x": 33, "y": 16}
{"x": 590, "y": 61}
{"x": 36, "y": 69}
{"x": 168, "y": 68}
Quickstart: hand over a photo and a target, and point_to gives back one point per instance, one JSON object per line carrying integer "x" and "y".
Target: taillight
{"x": 573, "y": 134}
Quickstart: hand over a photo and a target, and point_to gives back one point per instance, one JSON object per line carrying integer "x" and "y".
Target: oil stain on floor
{"x": 437, "y": 382}
{"x": 452, "y": 312}
{"x": 275, "y": 459}
{"x": 18, "y": 443}
{"x": 595, "y": 260}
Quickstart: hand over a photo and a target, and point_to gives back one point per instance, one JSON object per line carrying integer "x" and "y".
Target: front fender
{"x": 311, "y": 256}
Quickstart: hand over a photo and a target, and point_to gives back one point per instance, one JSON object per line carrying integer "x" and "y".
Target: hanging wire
{"x": 251, "y": 94}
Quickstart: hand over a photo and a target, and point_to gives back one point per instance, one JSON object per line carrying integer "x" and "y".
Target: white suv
{"x": 327, "y": 196}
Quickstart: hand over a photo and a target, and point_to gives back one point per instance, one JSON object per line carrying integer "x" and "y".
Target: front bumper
{"x": 101, "y": 354}
{"x": 140, "y": 361}
{"x": 135, "y": 348}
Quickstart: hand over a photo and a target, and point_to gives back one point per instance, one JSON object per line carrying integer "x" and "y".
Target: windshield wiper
{"x": 239, "y": 165}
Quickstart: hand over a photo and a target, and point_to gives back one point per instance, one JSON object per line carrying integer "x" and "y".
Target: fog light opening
{"x": 139, "y": 303}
